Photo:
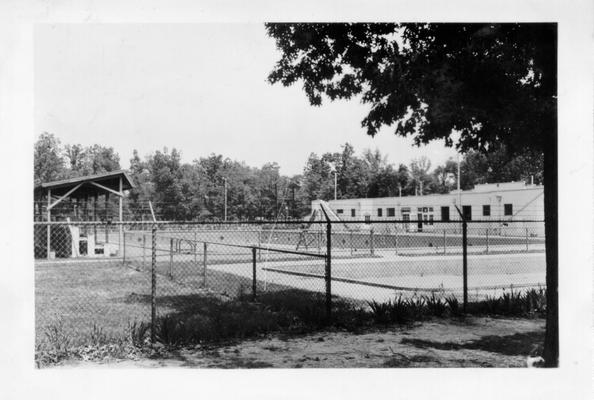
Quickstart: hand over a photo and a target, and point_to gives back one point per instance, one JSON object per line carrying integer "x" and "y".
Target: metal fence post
{"x": 204, "y": 259}
{"x": 371, "y": 241}
{"x": 123, "y": 244}
{"x": 465, "y": 264}
{"x": 195, "y": 246}
{"x": 328, "y": 271}
{"x": 260, "y": 244}
{"x": 171, "y": 258}
{"x": 153, "y": 282}
{"x": 253, "y": 273}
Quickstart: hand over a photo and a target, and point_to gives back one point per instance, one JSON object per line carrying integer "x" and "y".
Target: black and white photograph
{"x": 292, "y": 194}
{"x": 223, "y": 229}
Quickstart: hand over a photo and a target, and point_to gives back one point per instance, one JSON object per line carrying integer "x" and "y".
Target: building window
{"x": 405, "y": 210}
{"x": 431, "y": 219}
{"x": 420, "y": 209}
{"x": 339, "y": 211}
{"x": 508, "y": 209}
{"x": 467, "y": 212}
{"x": 352, "y": 212}
{"x": 391, "y": 212}
{"x": 486, "y": 210}
{"x": 430, "y": 209}
{"x": 379, "y": 212}
{"x": 445, "y": 213}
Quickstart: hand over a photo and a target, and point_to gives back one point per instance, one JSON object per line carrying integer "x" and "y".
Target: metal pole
{"x": 170, "y": 258}
{"x": 195, "y": 247}
{"x": 121, "y": 215}
{"x": 458, "y": 183}
{"x": 204, "y": 260}
{"x": 253, "y": 273}
{"x": 225, "y": 180}
{"x": 464, "y": 264}
{"x": 328, "y": 270}
{"x": 153, "y": 282}
{"x": 49, "y": 219}
{"x": 260, "y": 244}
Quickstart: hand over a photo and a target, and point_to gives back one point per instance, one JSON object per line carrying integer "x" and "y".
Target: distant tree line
{"x": 196, "y": 190}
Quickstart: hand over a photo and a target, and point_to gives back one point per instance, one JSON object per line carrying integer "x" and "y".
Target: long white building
{"x": 510, "y": 201}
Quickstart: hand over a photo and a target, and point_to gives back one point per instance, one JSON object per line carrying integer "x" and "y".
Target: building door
{"x": 420, "y": 222}
{"x": 445, "y": 213}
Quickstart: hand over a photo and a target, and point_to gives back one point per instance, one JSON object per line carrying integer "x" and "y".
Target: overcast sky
{"x": 200, "y": 88}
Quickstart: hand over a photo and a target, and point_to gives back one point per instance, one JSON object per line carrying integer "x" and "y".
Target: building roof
{"x": 109, "y": 180}
{"x": 478, "y": 189}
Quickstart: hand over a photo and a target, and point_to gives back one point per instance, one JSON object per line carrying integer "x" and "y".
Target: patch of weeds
{"x": 454, "y": 306}
{"x": 93, "y": 346}
{"x": 138, "y": 333}
{"x": 56, "y": 346}
{"x": 435, "y": 305}
{"x": 531, "y": 303}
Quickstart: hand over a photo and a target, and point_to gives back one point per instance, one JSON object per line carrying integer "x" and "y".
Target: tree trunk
{"x": 551, "y": 344}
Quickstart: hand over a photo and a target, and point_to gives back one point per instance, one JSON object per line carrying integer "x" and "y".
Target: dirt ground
{"x": 474, "y": 342}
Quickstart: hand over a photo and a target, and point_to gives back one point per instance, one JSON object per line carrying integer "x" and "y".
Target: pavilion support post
{"x": 95, "y": 217}
{"x": 106, "y": 224}
{"x": 49, "y": 219}
{"x": 121, "y": 217}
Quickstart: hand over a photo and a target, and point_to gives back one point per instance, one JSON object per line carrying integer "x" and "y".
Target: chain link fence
{"x": 115, "y": 275}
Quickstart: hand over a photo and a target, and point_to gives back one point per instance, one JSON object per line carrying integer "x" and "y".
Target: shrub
{"x": 435, "y": 305}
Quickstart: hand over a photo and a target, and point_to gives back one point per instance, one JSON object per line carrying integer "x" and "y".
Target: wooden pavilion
{"x": 84, "y": 193}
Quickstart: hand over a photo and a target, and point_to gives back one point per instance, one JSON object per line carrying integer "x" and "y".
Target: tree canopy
{"x": 493, "y": 83}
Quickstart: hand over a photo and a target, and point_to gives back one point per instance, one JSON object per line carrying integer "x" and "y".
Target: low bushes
{"x": 531, "y": 303}
{"x": 289, "y": 311}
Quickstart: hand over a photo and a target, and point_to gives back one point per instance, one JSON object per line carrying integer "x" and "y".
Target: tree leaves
{"x": 494, "y": 83}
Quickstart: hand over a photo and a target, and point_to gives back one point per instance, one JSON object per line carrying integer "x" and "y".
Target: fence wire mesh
{"x": 114, "y": 275}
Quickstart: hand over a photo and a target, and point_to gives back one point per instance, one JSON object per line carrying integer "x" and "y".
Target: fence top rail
{"x": 277, "y": 223}
{"x": 245, "y": 246}
{"x": 158, "y": 223}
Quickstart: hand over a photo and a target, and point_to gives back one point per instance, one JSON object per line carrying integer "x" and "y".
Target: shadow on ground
{"x": 511, "y": 345}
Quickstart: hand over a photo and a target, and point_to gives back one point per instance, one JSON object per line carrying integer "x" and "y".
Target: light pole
{"x": 458, "y": 183}
{"x": 225, "y": 201}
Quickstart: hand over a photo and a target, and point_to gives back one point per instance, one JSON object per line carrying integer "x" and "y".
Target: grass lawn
{"x": 111, "y": 296}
